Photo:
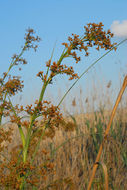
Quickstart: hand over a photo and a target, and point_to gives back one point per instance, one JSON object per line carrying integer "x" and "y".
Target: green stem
{"x": 13, "y": 62}
{"x": 40, "y": 99}
{"x": 51, "y": 59}
{"x": 43, "y": 91}
{"x": 22, "y": 186}
{"x": 34, "y": 154}
{"x": 25, "y": 150}
{"x": 64, "y": 53}
{"x": 33, "y": 117}
{"x": 38, "y": 144}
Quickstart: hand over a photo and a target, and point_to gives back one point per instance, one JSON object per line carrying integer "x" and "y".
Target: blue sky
{"x": 54, "y": 21}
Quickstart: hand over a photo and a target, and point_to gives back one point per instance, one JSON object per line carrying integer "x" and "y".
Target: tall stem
{"x": 107, "y": 131}
{"x": 33, "y": 117}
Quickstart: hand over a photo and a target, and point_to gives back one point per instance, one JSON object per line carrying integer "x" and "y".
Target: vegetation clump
{"x": 27, "y": 165}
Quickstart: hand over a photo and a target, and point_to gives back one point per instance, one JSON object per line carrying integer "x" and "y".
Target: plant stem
{"x": 25, "y": 150}
{"x": 38, "y": 144}
{"x": 33, "y": 117}
{"x": 13, "y": 62}
{"x": 11, "y": 65}
{"x": 107, "y": 131}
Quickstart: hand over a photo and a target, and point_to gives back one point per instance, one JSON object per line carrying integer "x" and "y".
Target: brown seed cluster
{"x": 55, "y": 69}
{"x": 7, "y": 107}
{"x": 30, "y": 40}
{"x": 49, "y": 114}
{"x": 12, "y": 170}
{"x": 45, "y": 109}
{"x": 93, "y": 36}
{"x": 12, "y": 173}
{"x": 12, "y": 86}
{"x": 18, "y": 60}
{"x": 97, "y": 37}
{"x": 42, "y": 76}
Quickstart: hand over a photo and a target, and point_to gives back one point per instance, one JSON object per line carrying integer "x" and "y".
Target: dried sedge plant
{"x": 18, "y": 170}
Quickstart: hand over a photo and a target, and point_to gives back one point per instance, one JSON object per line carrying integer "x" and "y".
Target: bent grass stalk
{"x": 86, "y": 71}
{"x": 107, "y": 131}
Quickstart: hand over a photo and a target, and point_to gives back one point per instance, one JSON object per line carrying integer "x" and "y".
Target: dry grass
{"x": 74, "y": 153}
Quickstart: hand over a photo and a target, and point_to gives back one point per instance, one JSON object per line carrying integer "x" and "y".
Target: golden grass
{"x": 73, "y": 154}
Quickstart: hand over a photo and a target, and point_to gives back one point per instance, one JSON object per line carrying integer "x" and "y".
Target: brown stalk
{"x": 107, "y": 131}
